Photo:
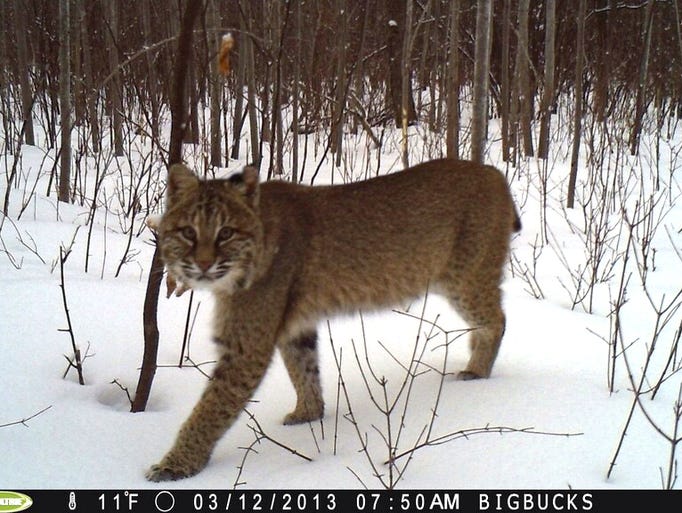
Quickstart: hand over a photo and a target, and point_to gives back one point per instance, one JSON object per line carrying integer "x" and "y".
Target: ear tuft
{"x": 247, "y": 184}
{"x": 180, "y": 179}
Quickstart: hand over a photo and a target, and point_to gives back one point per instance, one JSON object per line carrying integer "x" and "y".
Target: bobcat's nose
{"x": 204, "y": 264}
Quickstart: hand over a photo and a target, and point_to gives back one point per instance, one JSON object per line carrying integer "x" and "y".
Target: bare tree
{"x": 115, "y": 89}
{"x": 452, "y": 131}
{"x": 65, "y": 100}
{"x": 87, "y": 76}
{"x": 505, "y": 87}
{"x": 336, "y": 136}
{"x": 151, "y": 300}
{"x": 295, "y": 91}
{"x": 215, "y": 82}
{"x": 548, "y": 89}
{"x": 239, "y": 112}
{"x": 406, "y": 99}
{"x": 397, "y": 33}
{"x": 250, "y": 64}
{"x": 641, "y": 80}
{"x": 522, "y": 96}
{"x": 578, "y": 111}
{"x": 23, "y": 68}
{"x": 479, "y": 121}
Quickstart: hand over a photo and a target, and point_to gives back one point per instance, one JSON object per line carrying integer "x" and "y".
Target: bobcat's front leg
{"x": 234, "y": 381}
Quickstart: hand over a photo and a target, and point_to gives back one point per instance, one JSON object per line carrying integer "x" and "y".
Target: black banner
{"x": 341, "y": 501}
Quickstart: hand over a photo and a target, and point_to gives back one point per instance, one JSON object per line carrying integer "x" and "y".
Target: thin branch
{"x": 262, "y": 435}
{"x": 466, "y": 433}
{"x": 77, "y": 362}
{"x": 24, "y": 421}
{"x": 124, "y": 388}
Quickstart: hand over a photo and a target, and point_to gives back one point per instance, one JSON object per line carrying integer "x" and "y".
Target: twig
{"x": 192, "y": 365}
{"x": 240, "y": 468}
{"x": 24, "y": 421}
{"x": 350, "y": 416}
{"x": 76, "y": 362}
{"x": 674, "y": 440}
{"x": 339, "y": 380}
{"x": 71, "y": 361}
{"x": 466, "y": 433}
{"x": 262, "y": 435}
{"x": 125, "y": 389}
{"x": 185, "y": 335}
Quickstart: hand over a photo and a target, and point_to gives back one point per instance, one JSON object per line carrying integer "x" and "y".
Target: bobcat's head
{"x": 211, "y": 233}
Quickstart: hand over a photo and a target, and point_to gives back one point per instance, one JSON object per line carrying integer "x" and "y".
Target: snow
{"x": 550, "y": 378}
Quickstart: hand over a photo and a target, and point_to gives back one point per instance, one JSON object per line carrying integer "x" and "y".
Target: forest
{"x": 578, "y": 103}
{"x": 327, "y": 66}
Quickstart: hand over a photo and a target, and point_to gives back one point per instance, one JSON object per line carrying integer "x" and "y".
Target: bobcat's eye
{"x": 224, "y": 234}
{"x": 189, "y": 233}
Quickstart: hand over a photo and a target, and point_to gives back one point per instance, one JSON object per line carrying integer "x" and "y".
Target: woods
{"x": 329, "y": 66}
{"x": 578, "y": 103}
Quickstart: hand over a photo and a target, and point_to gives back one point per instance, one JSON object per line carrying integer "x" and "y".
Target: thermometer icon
{"x": 72, "y": 501}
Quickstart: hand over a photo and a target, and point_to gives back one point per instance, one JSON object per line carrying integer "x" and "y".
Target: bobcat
{"x": 280, "y": 257}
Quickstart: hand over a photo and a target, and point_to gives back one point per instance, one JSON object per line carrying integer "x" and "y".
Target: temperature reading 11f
{"x": 119, "y": 501}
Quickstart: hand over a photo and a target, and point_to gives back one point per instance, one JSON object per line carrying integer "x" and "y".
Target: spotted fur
{"x": 280, "y": 257}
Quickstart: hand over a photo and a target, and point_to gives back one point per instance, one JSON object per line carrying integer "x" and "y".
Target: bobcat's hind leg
{"x": 483, "y": 312}
{"x": 300, "y": 358}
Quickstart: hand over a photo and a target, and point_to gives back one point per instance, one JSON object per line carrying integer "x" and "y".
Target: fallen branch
{"x": 24, "y": 421}
{"x": 466, "y": 433}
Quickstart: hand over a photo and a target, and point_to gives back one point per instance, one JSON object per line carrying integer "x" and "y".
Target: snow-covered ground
{"x": 551, "y": 379}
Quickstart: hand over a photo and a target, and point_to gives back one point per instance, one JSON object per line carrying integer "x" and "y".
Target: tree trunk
{"x": 452, "y": 130}
{"x": 24, "y": 66}
{"x": 641, "y": 83}
{"x": 178, "y": 116}
{"x": 406, "y": 99}
{"x": 295, "y": 91}
{"x": 216, "y": 82}
{"x": 115, "y": 88}
{"x": 479, "y": 120}
{"x": 91, "y": 93}
{"x": 578, "y": 112}
{"x": 336, "y": 135}
{"x": 602, "y": 75}
{"x": 505, "y": 86}
{"x": 251, "y": 88}
{"x": 523, "y": 93}
{"x": 239, "y": 114}
{"x": 191, "y": 135}
{"x": 397, "y": 33}
{"x": 548, "y": 90}
{"x": 152, "y": 79}
{"x": 65, "y": 100}
{"x": 279, "y": 29}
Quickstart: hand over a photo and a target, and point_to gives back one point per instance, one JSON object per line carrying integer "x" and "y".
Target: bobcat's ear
{"x": 180, "y": 179}
{"x": 247, "y": 183}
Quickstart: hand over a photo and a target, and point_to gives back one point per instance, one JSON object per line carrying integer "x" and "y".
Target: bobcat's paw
{"x": 168, "y": 471}
{"x": 301, "y": 416}
{"x": 468, "y": 376}
{"x": 158, "y": 473}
